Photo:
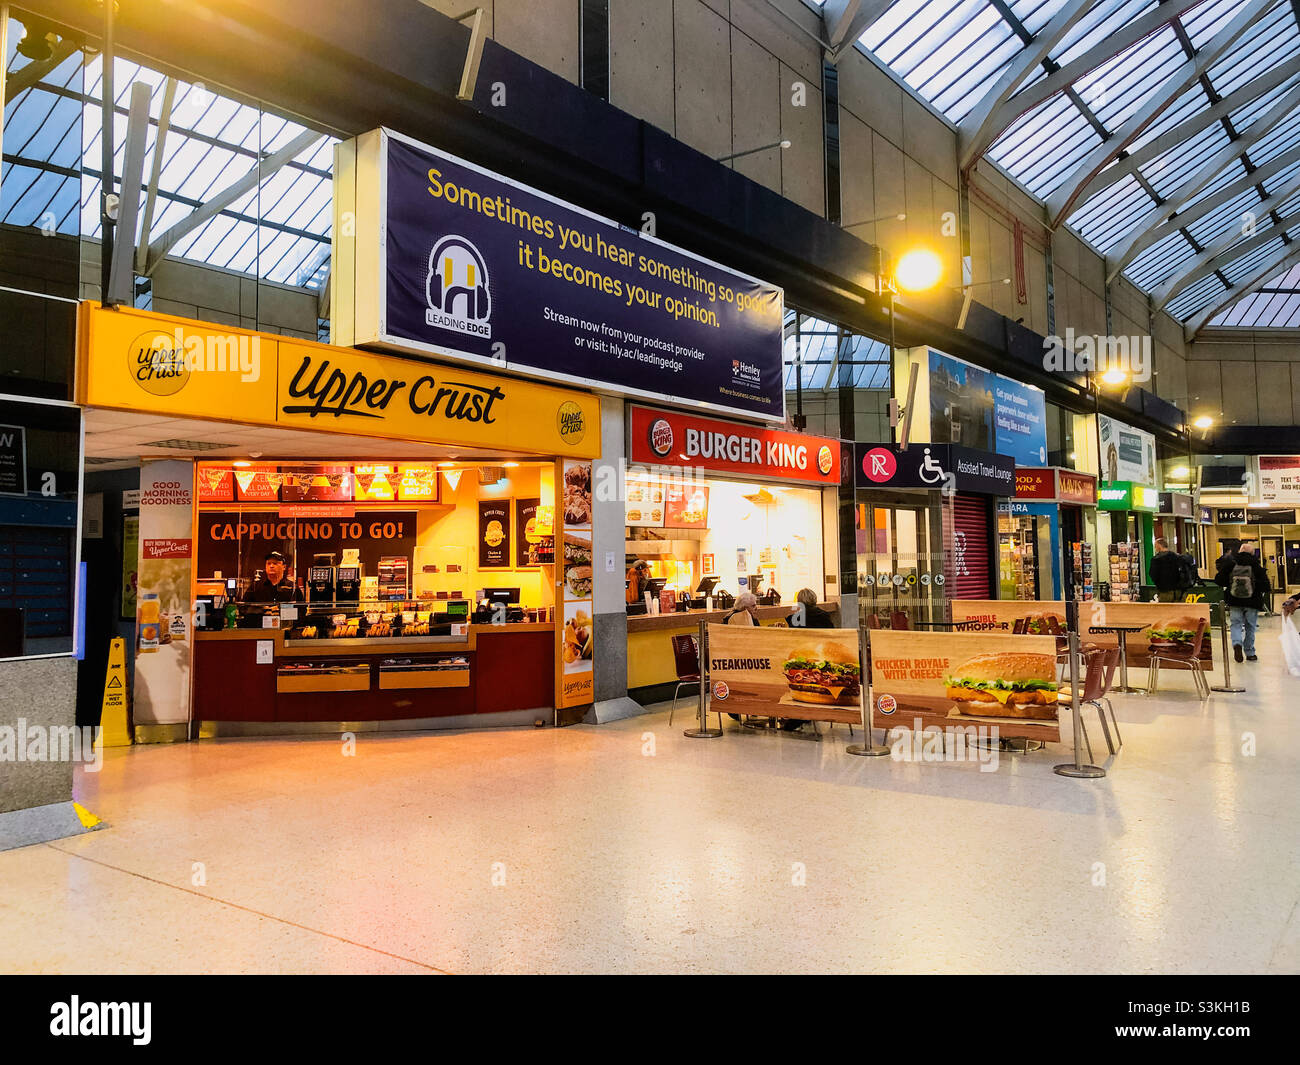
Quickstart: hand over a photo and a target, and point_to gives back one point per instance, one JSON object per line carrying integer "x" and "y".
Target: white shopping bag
{"x": 1291, "y": 646}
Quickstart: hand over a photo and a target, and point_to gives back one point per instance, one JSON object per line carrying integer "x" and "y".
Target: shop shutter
{"x": 970, "y": 523}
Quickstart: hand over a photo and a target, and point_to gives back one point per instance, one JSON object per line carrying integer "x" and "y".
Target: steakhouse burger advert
{"x": 827, "y": 674}
{"x": 770, "y": 671}
{"x": 958, "y": 678}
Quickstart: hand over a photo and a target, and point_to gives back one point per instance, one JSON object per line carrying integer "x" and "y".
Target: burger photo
{"x": 826, "y": 674}
{"x": 1005, "y": 685}
{"x": 1168, "y": 635}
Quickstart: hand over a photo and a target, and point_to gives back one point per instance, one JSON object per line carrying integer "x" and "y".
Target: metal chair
{"x": 686, "y": 658}
{"x": 898, "y": 620}
{"x": 1189, "y": 657}
{"x": 873, "y": 621}
{"x": 1111, "y": 664}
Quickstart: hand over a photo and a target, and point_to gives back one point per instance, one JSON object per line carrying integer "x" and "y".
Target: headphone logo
{"x": 457, "y": 288}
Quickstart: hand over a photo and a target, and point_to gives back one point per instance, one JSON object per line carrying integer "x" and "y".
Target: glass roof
{"x": 1211, "y": 130}
{"x": 279, "y": 230}
{"x": 821, "y": 356}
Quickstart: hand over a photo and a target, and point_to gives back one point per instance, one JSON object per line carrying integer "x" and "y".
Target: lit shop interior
{"x": 710, "y": 536}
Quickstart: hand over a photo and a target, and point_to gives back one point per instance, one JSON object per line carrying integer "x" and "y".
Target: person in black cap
{"x": 275, "y": 586}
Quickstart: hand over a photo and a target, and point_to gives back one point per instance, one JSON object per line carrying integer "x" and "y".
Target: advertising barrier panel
{"x": 808, "y": 674}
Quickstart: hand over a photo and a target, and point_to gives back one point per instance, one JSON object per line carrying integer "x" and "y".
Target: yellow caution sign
{"x": 112, "y": 714}
{"x": 87, "y": 819}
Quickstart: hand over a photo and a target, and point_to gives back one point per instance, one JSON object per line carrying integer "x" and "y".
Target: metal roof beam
{"x": 1184, "y": 131}
{"x": 259, "y": 172}
{"x": 1061, "y": 202}
{"x": 1132, "y": 242}
{"x": 1230, "y": 247}
{"x": 1107, "y": 48}
{"x": 844, "y": 21}
{"x": 1273, "y": 265}
{"x": 32, "y": 73}
{"x": 975, "y": 132}
{"x": 155, "y": 172}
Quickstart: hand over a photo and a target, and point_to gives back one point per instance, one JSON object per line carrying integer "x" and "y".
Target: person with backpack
{"x": 1245, "y": 591}
{"x": 1168, "y": 573}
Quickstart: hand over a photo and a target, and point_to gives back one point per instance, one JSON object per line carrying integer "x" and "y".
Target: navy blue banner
{"x": 482, "y": 268}
{"x": 931, "y": 465}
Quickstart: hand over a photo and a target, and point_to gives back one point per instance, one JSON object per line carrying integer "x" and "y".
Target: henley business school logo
{"x": 457, "y": 288}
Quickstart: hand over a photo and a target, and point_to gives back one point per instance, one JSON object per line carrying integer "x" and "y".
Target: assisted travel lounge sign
{"x": 137, "y": 360}
{"x": 928, "y": 465}
{"x": 669, "y": 438}
{"x": 452, "y": 260}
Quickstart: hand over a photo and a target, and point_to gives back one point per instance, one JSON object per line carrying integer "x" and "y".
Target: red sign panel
{"x": 1077, "y": 487}
{"x": 686, "y": 506}
{"x": 169, "y": 548}
{"x": 667, "y": 438}
{"x": 1033, "y": 482}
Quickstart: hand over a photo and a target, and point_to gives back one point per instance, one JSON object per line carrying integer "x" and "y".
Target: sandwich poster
{"x": 494, "y": 534}
{"x": 809, "y": 674}
{"x": 575, "y": 635}
{"x": 965, "y": 678}
{"x": 1001, "y": 615}
{"x": 1170, "y": 626}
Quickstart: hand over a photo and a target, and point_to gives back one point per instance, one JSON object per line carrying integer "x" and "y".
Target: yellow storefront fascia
{"x": 134, "y": 360}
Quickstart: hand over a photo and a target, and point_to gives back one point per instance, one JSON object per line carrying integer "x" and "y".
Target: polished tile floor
{"x": 629, "y": 848}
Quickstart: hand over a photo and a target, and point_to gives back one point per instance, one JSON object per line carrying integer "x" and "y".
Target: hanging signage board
{"x": 933, "y": 466}
{"x": 455, "y": 261}
{"x": 1279, "y": 479}
{"x": 670, "y": 438}
{"x": 1175, "y": 504}
{"x": 1230, "y": 515}
{"x": 1128, "y": 454}
{"x": 1125, "y": 495}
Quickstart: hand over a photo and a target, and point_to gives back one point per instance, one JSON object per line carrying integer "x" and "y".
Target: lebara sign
{"x": 473, "y": 267}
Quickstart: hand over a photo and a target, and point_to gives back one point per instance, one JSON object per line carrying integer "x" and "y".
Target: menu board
{"x": 645, "y": 504}
{"x": 527, "y": 539}
{"x": 576, "y": 636}
{"x": 494, "y": 534}
{"x": 216, "y": 485}
{"x": 686, "y": 506}
{"x": 374, "y": 484}
{"x": 921, "y": 680}
{"x": 417, "y": 484}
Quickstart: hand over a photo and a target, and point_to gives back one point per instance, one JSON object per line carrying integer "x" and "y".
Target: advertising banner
{"x": 526, "y": 536}
{"x": 984, "y": 410}
{"x": 669, "y": 438}
{"x": 276, "y": 381}
{"x": 1171, "y": 623}
{"x": 1019, "y": 421}
{"x": 494, "y": 534}
{"x": 965, "y": 679}
{"x": 478, "y": 268}
{"x": 808, "y": 674}
{"x": 1128, "y": 454}
{"x": 576, "y": 635}
{"x": 1279, "y": 479}
{"x": 934, "y": 466}
{"x": 1001, "y": 615}
{"x": 162, "y": 661}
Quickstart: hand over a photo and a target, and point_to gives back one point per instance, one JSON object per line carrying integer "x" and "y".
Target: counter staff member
{"x": 275, "y": 586}
{"x": 637, "y": 575}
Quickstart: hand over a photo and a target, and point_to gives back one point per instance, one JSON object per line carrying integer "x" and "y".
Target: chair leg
{"x": 1113, "y": 720}
{"x": 1087, "y": 742}
{"x": 1105, "y": 728}
{"x": 674, "y": 706}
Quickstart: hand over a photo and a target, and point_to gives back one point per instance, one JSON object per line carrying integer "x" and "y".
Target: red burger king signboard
{"x": 667, "y": 438}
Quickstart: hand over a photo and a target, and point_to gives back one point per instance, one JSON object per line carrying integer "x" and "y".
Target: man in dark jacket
{"x": 1245, "y": 591}
{"x": 807, "y": 614}
{"x": 1168, "y": 573}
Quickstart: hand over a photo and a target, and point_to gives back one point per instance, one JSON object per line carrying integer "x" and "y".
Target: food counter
{"x": 650, "y": 665}
{"x": 486, "y": 669}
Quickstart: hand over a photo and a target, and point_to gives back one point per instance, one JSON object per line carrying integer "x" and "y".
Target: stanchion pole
{"x": 1227, "y": 658}
{"x": 1075, "y": 768}
{"x": 704, "y": 732}
{"x": 868, "y": 749}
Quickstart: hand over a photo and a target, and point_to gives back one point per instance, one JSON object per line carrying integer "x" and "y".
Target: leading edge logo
{"x": 456, "y": 288}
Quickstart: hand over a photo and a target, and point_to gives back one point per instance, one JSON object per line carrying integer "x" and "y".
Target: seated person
{"x": 745, "y": 612}
{"x": 808, "y": 614}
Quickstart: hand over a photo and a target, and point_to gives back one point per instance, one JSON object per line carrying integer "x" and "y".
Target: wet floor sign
{"x": 113, "y": 710}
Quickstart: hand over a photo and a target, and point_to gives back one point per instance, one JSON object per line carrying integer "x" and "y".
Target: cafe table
{"x": 1121, "y": 634}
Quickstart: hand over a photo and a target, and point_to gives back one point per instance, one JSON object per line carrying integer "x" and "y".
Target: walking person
{"x": 1168, "y": 573}
{"x": 1245, "y": 591}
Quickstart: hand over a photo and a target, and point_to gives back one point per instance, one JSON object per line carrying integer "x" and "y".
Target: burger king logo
{"x": 824, "y": 459}
{"x": 886, "y": 704}
{"x": 721, "y": 691}
{"x": 660, "y": 437}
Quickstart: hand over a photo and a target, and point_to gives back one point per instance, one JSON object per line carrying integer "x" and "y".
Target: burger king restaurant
{"x": 714, "y": 509}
